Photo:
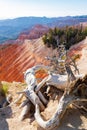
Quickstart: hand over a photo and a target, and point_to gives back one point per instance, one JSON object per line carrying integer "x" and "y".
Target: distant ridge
{"x": 36, "y": 32}
{"x": 11, "y": 28}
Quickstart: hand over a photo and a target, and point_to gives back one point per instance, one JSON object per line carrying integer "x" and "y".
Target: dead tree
{"x": 33, "y": 90}
{"x": 77, "y": 92}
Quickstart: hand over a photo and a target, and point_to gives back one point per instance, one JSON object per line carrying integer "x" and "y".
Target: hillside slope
{"x": 16, "y": 58}
{"x": 81, "y": 49}
{"x": 82, "y": 63}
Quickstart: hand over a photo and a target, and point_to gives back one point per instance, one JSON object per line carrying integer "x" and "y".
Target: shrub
{"x": 4, "y": 89}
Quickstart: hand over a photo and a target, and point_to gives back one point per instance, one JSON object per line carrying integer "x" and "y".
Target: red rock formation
{"x": 34, "y": 33}
{"x": 16, "y": 58}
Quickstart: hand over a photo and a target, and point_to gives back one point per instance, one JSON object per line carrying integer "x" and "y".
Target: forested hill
{"x": 11, "y": 28}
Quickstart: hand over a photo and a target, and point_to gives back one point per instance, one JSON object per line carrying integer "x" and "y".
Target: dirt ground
{"x": 74, "y": 119}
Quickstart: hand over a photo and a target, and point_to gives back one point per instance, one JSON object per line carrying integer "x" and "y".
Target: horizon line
{"x": 43, "y": 16}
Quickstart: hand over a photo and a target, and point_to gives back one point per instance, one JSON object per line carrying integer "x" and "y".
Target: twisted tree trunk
{"x": 55, "y": 120}
{"x": 77, "y": 92}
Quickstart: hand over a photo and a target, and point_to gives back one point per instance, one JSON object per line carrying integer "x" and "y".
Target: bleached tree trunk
{"x": 30, "y": 91}
{"x": 55, "y": 120}
{"x": 42, "y": 98}
{"x": 31, "y": 95}
{"x": 71, "y": 76}
{"x": 57, "y": 80}
{"x": 24, "y": 103}
{"x": 70, "y": 96}
{"x": 25, "y": 111}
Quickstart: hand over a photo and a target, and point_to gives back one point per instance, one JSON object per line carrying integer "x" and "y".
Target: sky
{"x": 48, "y": 8}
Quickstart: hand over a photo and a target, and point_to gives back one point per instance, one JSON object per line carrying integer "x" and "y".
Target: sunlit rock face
{"x": 16, "y": 58}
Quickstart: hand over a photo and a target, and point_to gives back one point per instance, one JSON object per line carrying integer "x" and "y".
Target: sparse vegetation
{"x": 67, "y": 36}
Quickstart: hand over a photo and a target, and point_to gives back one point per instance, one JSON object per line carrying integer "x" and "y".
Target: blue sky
{"x": 48, "y": 8}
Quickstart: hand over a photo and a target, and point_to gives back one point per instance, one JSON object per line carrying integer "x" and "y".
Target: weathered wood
{"x": 77, "y": 92}
{"x": 32, "y": 83}
{"x": 24, "y": 103}
{"x": 34, "y": 95}
{"x": 38, "y": 87}
{"x": 57, "y": 80}
{"x": 25, "y": 111}
{"x": 55, "y": 120}
{"x": 71, "y": 76}
{"x": 19, "y": 98}
{"x": 42, "y": 98}
{"x": 31, "y": 95}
